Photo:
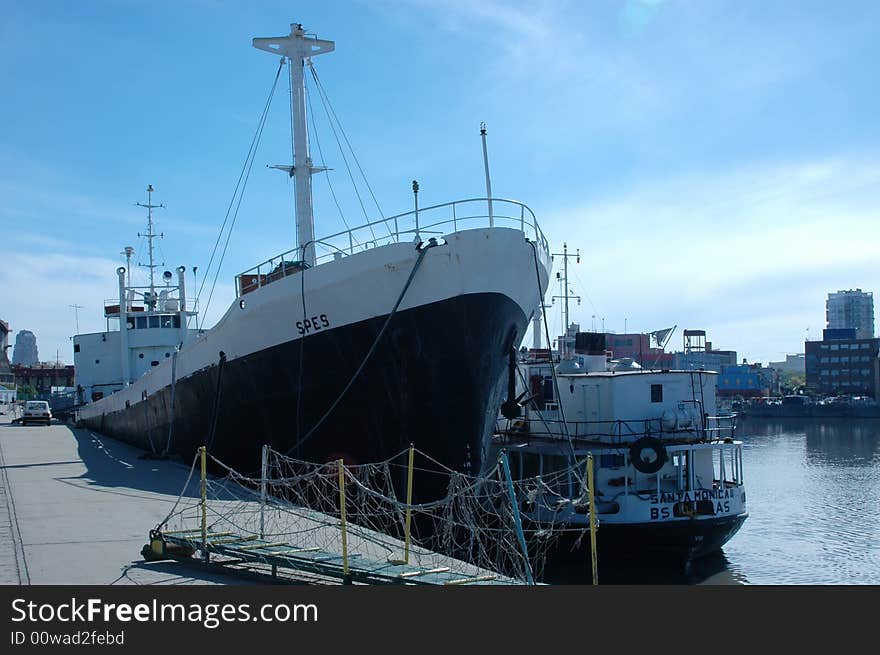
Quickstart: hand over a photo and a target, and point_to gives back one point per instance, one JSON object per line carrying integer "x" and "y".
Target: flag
{"x": 660, "y": 337}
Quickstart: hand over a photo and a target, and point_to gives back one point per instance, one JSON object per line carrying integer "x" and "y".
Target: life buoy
{"x": 648, "y": 455}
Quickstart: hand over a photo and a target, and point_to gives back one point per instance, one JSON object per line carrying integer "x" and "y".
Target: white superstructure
{"x": 146, "y": 325}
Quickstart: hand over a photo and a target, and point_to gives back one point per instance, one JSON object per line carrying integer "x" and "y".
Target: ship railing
{"x": 412, "y": 226}
{"x": 720, "y": 427}
{"x": 616, "y": 430}
{"x": 694, "y": 466}
{"x": 111, "y": 306}
{"x": 726, "y": 468}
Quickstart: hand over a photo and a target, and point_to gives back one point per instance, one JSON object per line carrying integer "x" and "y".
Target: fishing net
{"x": 473, "y": 528}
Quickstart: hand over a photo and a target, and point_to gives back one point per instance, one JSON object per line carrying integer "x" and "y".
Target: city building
{"x": 7, "y": 396}
{"x": 639, "y": 348}
{"x": 41, "y": 378}
{"x": 746, "y": 380}
{"x": 851, "y": 309}
{"x": 7, "y": 379}
{"x": 794, "y": 364}
{"x": 698, "y": 353}
{"x": 25, "y": 351}
{"x": 843, "y": 364}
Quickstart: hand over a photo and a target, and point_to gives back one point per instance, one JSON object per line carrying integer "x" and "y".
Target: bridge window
{"x": 141, "y": 322}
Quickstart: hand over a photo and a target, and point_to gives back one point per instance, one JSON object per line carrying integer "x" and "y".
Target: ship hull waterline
{"x": 636, "y": 546}
{"x": 432, "y": 381}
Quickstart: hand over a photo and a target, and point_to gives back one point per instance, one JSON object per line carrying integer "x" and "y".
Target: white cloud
{"x": 734, "y": 252}
{"x": 40, "y": 287}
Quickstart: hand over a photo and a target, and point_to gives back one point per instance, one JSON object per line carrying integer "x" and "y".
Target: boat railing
{"x": 722, "y": 426}
{"x": 716, "y": 428}
{"x": 163, "y": 306}
{"x": 694, "y": 466}
{"x": 726, "y": 465}
{"x": 416, "y": 225}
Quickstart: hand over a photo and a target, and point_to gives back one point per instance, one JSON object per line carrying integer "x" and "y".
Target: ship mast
{"x": 296, "y": 47}
{"x": 566, "y": 294}
{"x": 150, "y": 235}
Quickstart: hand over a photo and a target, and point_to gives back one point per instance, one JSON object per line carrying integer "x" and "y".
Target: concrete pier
{"x": 75, "y": 508}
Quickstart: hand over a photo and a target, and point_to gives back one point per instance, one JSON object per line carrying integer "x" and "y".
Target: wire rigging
{"x": 238, "y": 192}
{"x": 422, "y": 252}
{"x": 334, "y": 122}
{"x": 584, "y": 290}
{"x": 327, "y": 172}
{"x": 553, "y": 368}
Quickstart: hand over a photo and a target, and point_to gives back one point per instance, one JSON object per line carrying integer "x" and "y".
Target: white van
{"x": 36, "y": 411}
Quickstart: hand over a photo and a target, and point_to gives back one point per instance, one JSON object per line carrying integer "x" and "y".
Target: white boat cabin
{"x": 614, "y": 405}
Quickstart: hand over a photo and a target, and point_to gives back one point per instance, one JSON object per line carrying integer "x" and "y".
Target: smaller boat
{"x": 668, "y": 472}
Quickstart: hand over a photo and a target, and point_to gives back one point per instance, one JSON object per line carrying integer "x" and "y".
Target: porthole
{"x": 141, "y": 355}
{"x": 241, "y": 303}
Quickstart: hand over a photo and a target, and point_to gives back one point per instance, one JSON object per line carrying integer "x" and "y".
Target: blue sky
{"x": 715, "y": 162}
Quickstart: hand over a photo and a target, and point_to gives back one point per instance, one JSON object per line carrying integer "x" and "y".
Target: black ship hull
{"x": 432, "y": 381}
{"x": 639, "y": 547}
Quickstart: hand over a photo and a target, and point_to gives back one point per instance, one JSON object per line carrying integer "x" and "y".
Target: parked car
{"x": 36, "y": 411}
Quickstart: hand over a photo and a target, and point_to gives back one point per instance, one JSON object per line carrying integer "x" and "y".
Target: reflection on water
{"x": 813, "y": 491}
{"x": 713, "y": 569}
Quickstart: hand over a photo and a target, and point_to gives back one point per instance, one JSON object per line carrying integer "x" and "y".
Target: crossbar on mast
{"x": 297, "y": 47}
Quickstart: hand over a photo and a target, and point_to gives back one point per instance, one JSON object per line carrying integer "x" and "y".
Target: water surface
{"x": 813, "y": 493}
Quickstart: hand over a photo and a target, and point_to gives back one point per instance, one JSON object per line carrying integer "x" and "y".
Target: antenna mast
{"x": 76, "y": 309}
{"x": 298, "y": 48}
{"x": 566, "y": 293}
{"x": 127, "y": 252}
{"x": 488, "y": 181}
{"x": 150, "y": 235}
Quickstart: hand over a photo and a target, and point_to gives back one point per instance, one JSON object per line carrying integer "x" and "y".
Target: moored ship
{"x": 669, "y": 481}
{"x": 349, "y": 346}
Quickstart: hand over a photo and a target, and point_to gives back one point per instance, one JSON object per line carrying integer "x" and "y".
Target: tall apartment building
{"x": 851, "y": 309}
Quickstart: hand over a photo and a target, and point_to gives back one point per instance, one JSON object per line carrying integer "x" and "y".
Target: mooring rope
{"x": 422, "y": 252}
